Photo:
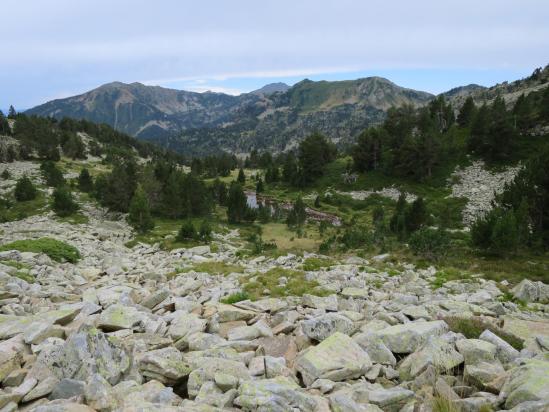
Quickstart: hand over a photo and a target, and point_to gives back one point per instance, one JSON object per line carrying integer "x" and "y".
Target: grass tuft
{"x": 235, "y": 297}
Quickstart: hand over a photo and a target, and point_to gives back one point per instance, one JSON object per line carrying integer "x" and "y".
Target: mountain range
{"x": 275, "y": 117}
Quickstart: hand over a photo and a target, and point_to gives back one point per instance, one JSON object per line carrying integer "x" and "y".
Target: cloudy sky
{"x": 58, "y": 48}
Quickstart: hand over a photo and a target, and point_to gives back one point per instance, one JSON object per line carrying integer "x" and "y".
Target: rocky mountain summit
{"x": 272, "y": 117}
{"x": 142, "y": 329}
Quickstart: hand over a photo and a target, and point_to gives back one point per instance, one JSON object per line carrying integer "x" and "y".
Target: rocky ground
{"x": 118, "y": 331}
{"x": 479, "y": 186}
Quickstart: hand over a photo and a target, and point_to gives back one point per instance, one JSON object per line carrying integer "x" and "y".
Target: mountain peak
{"x": 271, "y": 88}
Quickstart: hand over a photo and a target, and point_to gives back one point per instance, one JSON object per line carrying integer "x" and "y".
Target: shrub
{"x": 187, "y": 232}
{"x": 205, "y": 231}
{"x": 25, "y": 190}
{"x": 63, "y": 202}
{"x": 429, "y": 243}
{"x": 236, "y": 297}
{"x": 140, "y": 214}
{"x": 5, "y": 174}
{"x": 55, "y": 249}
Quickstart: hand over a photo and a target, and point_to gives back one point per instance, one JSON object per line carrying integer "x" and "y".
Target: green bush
{"x": 205, "y": 231}
{"x": 85, "y": 181}
{"x": 52, "y": 175}
{"x": 429, "y": 243}
{"x": 187, "y": 232}
{"x": 25, "y": 190}
{"x": 55, "y": 249}
{"x": 63, "y": 203}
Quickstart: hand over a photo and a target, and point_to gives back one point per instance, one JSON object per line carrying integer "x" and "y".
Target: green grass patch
{"x": 74, "y": 219}
{"x": 14, "y": 210}
{"x": 472, "y": 327}
{"x": 55, "y": 249}
{"x": 235, "y": 297}
{"x": 448, "y": 274}
{"x": 296, "y": 285}
{"x": 311, "y": 264}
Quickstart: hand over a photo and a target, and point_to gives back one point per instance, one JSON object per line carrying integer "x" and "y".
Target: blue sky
{"x": 58, "y": 48}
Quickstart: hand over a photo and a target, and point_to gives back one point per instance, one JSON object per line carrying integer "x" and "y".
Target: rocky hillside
{"x": 94, "y": 325}
{"x": 274, "y": 117}
{"x": 510, "y": 91}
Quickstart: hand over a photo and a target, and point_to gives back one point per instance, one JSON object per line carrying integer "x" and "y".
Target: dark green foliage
{"x": 4, "y": 126}
{"x": 187, "y": 232}
{"x": 544, "y": 112}
{"x": 5, "y": 174}
{"x": 314, "y": 153}
{"x": 467, "y": 113}
{"x": 115, "y": 190}
{"x": 55, "y": 249}
{"x": 219, "y": 190}
{"x": 11, "y": 112}
{"x": 367, "y": 152}
{"x": 63, "y": 203}
{"x": 241, "y": 177}
{"x": 259, "y": 186}
{"x": 429, "y": 243}
{"x": 289, "y": 169}
{"x": 205, "y": 231}
{"x": 24, "y": 190}
{"x": 237, "y": 206}
{"x": 85, "y": 181}
{"x": 317, "y": 201}
{"x": 51, "y": 174}
{"x": 297, "y": 215}
{"x": 355, "y": 237}
{"x": 441, "y": 113}
{"x": 72, "y": 145}
{"x": 139, "y": 213}
{"x": 397, "y": 223}
{"x": 263, "y": 213}
{"x": 416, "y": 215}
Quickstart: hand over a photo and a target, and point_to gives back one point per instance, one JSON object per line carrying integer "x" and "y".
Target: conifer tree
{"x": 297, "y": 215}
{"x": 237, "y": 206}
{"x": 139, "y": 213}
{"x": 63, "y": 202}
{"x": 85, "y": 181}
{"x": 467, "y": 113}
{"x": 241, "y": 177}
{"x": 25, "y": 190}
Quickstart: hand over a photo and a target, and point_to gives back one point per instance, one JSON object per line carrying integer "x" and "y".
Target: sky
{"x": 59, "y": 48}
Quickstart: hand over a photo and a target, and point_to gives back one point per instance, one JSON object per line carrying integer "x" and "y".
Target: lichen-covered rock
{"x": 164, "y": 365}
{"x": 476, "y": 350}
{"x": 528, "y": 382}
{"x": 335, "y": 358}
{"x": 321, "y": 327}
{"x": 408, "y": 337}
{"x": 530, "y": 291}
{"x": 274, "y": 395}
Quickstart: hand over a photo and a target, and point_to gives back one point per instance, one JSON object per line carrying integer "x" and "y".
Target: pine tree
{"x": 85, "y": 181}
{"x": 139, "y": 213}
{"x": 467, "y": 113}
{"x": 298, "y": 214}
{"x": 51, "y": 173}
{"x": 367, "y": 152}
{"x": 205, "y": 231}
{"x": 259, "y": 186}
{"x": 237, "y": 206}
{"x": 25, "y": 190}
{"x": 12, "y": 113}
{"x": 63, "y": 202}
{"x": 416, "y": 215}
{"x": 241, "y": 177}
{"x": 4, "y": 125}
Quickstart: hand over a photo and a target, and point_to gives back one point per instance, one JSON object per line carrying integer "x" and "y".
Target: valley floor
{"x": 131, "y": 326}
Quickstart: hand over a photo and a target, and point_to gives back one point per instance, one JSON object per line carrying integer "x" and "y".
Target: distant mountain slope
{"x": 510, "y": 91}
{"x": 274, "y": 117}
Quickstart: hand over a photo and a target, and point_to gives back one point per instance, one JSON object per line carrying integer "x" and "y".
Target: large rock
{"x": 11, "y": 355}
{"x": 165, "y": 365}
{"x": 117, "y": 317}
{"x": 476, "y": 350}
{"x": 88, "y": 352}
{"x": 336, "y": 358}
{"x": 504, "y": 351}
{"x": 279, "y": 394}
{"x": 376, "y": 349}
{"x": 186, "y": 323}
{"x": 205, "y": 370}
{"x": 408, "y": 337}
{"x": 321, "y": 327}
{"x": 529, "y": 382}
{"x": 436, "y": 352}
{"x": 532, "y": 291}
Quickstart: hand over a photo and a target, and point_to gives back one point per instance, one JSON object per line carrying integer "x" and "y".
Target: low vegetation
{"x": 280, "y": 282}
{"x": 55, "y": 249}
